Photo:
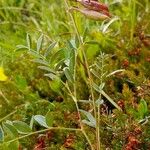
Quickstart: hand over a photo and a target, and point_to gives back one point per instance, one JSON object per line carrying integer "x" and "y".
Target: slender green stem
{"x": 92, "y": 96}
{"x": 89, "y": 75}
{"x": 74, "y": 23}
{"x": 75, "y": 101}
{"x": 85, "y": 58}
{"x": 75, "y": 65}
{"x": 90, "y": 82}
{"x": 17, "y": 108}
{"x": 82, "y": 128}
{"x": 8, "y": 115}
{"x": 87, "y": 138}
{"x": 98, "y": 128}
{"x": 98, "y": 111}
{"x": 41, "y": 131}
{"x": 80, "y": 120}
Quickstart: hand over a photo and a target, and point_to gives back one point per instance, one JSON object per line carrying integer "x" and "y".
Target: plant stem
{"x": 74, "y": 23}
{"x": 75, "y": 101}
{"x": 98, "y": 128}
{"x": 85, "y": 59}
{"x": 41, "y": 131}
{"x": 80, "y": 120}
{"x": 8, "y": 115}
{"x": 88, "y": 72}
{"x": 88, "y": 139}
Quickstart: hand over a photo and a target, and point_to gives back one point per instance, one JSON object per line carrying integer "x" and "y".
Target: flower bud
{"x": 91, "y": 14}
{"x": 94, "y": 5}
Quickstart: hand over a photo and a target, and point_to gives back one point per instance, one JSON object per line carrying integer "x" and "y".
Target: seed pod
{"x": 94, "y": 5}
{"x": 91, "y": 14}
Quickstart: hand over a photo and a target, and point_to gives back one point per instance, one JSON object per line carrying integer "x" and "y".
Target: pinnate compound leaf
{"x": 22, "y": 127}
{"x": 41, "y": 120}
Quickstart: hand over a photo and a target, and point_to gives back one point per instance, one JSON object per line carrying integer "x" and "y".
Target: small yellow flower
{"x": 3, "y": 77}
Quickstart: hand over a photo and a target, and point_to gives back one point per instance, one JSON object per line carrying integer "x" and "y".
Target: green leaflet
{"x": 39, "y": 43}
{"x": 41, "y": 120}
{"x": 22, "y": 127}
